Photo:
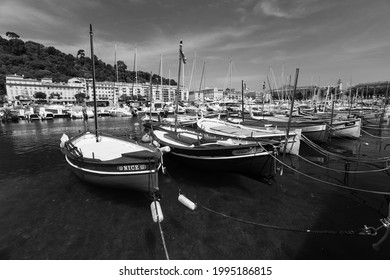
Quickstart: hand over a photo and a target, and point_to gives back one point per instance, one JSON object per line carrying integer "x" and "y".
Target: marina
{"x": 319, "y": 205}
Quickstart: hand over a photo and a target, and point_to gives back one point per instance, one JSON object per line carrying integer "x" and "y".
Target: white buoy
{"x": 185, "y": 201}
{"x": 156, "y": 144}
{"x": 157, "y": 213}
{"x": 165, "y": 149}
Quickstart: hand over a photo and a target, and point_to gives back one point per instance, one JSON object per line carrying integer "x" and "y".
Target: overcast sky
{"x": 326, "y": 39}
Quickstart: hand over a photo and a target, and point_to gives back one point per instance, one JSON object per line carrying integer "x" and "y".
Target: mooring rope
{"x": 152, "y": 182}
{"x": 372, "y": 127}
{"x": 160, "y": 229}
{"x": 327, "y": 153}
{"x": 344, "y": 171}
{"x": 363, "y": 231}
{"x": 374, "y": 136}
{"x": 162, "y": 238}
{"x": 325, "y": 182}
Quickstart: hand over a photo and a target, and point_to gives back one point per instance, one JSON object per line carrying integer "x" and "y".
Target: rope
{"x": 374, "y": 136}
{"x": 344, "y": 171}
{"x": 163, "y": 239}
{"x": 160, "y": 229}
{"x": 364, "y": 231}
{"x": 372, "y": 127}
{"x": 327, "y": 153}
{"x": 151, "y": 181}
{"x": 325, "y": 182}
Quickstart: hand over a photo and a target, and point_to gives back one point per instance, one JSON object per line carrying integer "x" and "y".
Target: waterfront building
{"x": 206, "y": 94}
{"x": 22, "y": 90}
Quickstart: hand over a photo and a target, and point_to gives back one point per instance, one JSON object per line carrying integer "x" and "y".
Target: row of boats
{"x": 247, "y": 143}
{"x": 247, "y": 146}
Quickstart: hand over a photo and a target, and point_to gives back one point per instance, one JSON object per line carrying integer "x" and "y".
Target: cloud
{"x": 289, "y": 9}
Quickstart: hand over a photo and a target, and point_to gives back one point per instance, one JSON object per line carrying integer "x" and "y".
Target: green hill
{"x": 34, "y": 60}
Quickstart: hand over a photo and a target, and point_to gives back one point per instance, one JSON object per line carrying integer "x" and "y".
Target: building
{"x": 22, "y": 90}
{"x": 211, "y": 94}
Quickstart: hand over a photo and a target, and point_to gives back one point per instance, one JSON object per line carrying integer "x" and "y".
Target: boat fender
{"x": 63, "y": 139}
{"x": 157, "y": 214}
{"x": 165, "y": 149}
{"x": 156, "y": 144}
{"x": 186, "y": 202}
{"x": 146, "y": 138}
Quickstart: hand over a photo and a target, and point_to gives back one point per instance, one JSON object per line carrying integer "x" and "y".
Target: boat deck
{"x": 107, "y": 148}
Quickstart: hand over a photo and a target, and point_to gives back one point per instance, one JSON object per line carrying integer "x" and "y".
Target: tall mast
{"x": 169, "y": 85}
{"x": 192, "y": 73}
{"x": 116, "y": 77}
{"x": 231, "y": 70}
{"x": 201, "y": 79}
{"x": 161, "y": 79}
{"x": 135, "y": 69}
{"x": 93, "y": 80}
{"x": 178, "y": 79}
{"x": 242, "y": 99}
{"x": 181, "y": 56}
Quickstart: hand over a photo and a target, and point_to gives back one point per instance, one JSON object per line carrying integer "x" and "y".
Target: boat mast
{"x": 290, "y": 115}
{"x": 181, "y": 58}
{"x": 192, "y": 73}
{"x": 135, "y": 71}
{"x": 201, "y": 81}
{"x": 116, "y": 79}
{"x": 93, "y": 81}
{"x": 242, "y": 99}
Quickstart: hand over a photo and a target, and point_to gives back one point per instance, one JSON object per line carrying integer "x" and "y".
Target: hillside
{"x": 34, "y": 60}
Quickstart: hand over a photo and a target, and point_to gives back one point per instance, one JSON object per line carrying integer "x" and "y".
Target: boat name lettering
{"x": 133, "y": 167}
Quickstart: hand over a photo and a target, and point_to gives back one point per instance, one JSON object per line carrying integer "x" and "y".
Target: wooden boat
{"x": 238, "y": 131}
{"x": 194, "y": 150}
{"x": 110, "y": 161}
{"x": 347, "y": 128}
{"x": 247, "y": 158}
{"x": 314, "y": 129}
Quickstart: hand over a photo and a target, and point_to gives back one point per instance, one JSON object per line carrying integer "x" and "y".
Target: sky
{"x": 228, "y": 41}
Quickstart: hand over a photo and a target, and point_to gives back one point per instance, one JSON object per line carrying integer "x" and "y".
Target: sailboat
{"x": 109, "y": 161}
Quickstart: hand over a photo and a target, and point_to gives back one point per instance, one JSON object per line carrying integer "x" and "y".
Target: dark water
{"x": 47, "y": 213}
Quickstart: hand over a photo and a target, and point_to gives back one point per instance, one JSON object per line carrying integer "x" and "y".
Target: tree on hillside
{"x": 80, "y": 54}
{"x": 12, "y": 35}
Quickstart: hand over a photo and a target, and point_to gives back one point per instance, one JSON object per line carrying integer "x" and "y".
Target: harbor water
{"x": 308, "y": 211}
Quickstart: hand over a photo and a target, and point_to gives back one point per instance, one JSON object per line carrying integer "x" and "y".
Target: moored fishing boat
{"x": 250, "y": 158}
{"x": 110, "y": 161}
{"x": 238, "y": 131}
{"x": 348, "y": 128}
{"x": 315, "y": 130}
{"x": 197, "y": 151}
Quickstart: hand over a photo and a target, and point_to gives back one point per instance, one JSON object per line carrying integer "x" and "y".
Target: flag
{"x": 183, "y": 57}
